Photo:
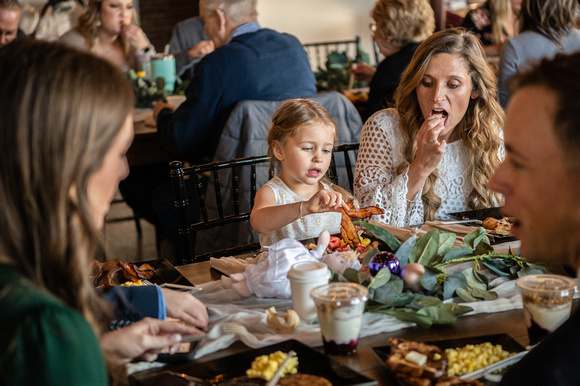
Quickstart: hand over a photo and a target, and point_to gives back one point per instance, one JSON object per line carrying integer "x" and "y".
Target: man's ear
{"x": 221, "y": 18}
{"x": 277, "y": 150}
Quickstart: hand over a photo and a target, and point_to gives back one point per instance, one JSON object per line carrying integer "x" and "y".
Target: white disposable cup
{"x": 305, "y": 276}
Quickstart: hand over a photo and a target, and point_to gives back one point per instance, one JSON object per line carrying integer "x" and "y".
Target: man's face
{"x": 9, "y": 20}
{"x": 540, "y": 192}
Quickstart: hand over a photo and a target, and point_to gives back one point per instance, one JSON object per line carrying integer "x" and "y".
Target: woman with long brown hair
{"x": 107, "y": 29}
{"x": 65, "y": 125}
{"x": 434, "y": 152}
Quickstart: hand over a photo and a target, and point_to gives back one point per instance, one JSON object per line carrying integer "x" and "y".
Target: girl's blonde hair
{"x": 89, "y": 23}
{"x": 62, "y": 110}
{"x": 291, "y": 117}
{"x": 480, "y": 127}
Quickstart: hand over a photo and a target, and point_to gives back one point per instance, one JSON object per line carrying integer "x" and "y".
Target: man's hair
{"x": 10, "y": 4}
{"x": 561, "y": 75}
{"x": 238, "y": 11}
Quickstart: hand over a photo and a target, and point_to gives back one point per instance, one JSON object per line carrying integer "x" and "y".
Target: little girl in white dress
{"x": 298, "y": 203}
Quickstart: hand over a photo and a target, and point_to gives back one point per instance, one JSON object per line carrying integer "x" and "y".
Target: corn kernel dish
{"x": 470, "y": 358}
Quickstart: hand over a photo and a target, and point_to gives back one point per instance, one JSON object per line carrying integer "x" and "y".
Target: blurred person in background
{"x": 189, "y": 44}
{"x": 547, "y": 28}
{"x": 107, "y": 29}
{"x": 494, "y": 22}
{"x": 9, "y": 21}
{"x": 399, "y": 27}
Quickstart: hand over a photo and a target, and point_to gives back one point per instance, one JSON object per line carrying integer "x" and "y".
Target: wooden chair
{"x": 344, "y": 163}
{"x": 232, "y": 187}
{"x": 225, "y": 191}
{"x": 317, "y": 52}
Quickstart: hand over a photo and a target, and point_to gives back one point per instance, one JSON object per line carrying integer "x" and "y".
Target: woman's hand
{"x": 135, "y": 36}
{"x": 144, "y": 339}
{"x": 429, "y": 154}
{"x": 186, "y": 307}
{"x": 429, "y": 150}
{"x": 363, "y": 71}
{"x": 324, "y": 201}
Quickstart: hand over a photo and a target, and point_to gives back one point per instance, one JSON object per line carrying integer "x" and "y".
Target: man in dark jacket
{"x": 249, "y": 62}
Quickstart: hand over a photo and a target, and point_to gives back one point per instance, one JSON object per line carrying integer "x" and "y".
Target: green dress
{"x": 43, "y": 341}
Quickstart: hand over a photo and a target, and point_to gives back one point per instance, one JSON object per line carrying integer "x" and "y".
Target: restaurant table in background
{"x": 146, "y": 148}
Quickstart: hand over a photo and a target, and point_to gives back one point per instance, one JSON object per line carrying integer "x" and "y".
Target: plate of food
{"x": 313, "y": 367}
{"x": 475, "y": 360}
{"x": 116, "y": 272}
{"x": 492, "y": 219}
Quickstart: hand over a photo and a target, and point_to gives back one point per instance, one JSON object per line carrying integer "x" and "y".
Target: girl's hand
{"x": 144, "y": 339}
{"x": 135, "y": 36}
{"x": 429, "y": 150}
{"x": 324, "y": 201}
{"x": 184, "y": 306}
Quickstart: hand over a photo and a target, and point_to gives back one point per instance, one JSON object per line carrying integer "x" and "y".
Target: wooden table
{"x": 146, "y": 148}
{"x": 365, "y": 360}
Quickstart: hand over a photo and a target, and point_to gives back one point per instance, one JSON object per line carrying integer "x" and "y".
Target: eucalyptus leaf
{"x": 369, "y": 255}
{"x": 465, "y": 295}
{"x": 426, "y": 248}
{"x": 498, "y": 267}
{"x": 532, "y": 269}
{"x": 404, "y": 299}
{"x": 483, "y": 294}
{"x": 471, "y": 240}
{"x": 446, "y": 240}
{"x": 483, "y": 247}
{"x": 473, "y": 279}
{"x": 351, "y": 275}
{"x": 381, "y": 278}
{"x": 421, "y": 320}
{"x": 428, "y": 301}
{"x": 454, "y": 253}
{"x": 452, "y": 282}
{"x": 438, "y": 315}
{"x": 429, "y": 279}
{"x": 456, "y": 309}
{"x": 405, "y": 250}
{"x": 387, "y": 293}
{"x": 392, "y": 242}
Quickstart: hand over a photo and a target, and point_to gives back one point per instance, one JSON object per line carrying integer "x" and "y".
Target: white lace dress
{"x": 305, "y": 227}
{"x": 376, "y": 181}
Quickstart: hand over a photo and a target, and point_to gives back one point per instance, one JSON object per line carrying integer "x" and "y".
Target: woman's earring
{"x": 98, "y": 23}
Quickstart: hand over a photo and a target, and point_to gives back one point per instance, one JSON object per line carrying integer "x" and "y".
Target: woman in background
{"x": 107, "y": 29}
{"x": 494, "y": 23}
{"x": 548, "y": 27}
{"x": 399, "y": 27}
{"x": 65, "y": 126}
{"x": 434, "y": 152}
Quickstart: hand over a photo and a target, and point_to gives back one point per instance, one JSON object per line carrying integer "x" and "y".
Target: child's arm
{"x": 266, "y": 216}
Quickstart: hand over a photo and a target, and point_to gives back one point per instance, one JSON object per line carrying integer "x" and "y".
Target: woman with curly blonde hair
{"x": 434, "y": 152}
{"x": 107, "y": 29}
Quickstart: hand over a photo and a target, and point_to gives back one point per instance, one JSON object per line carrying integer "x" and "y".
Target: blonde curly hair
{"x": 480, "y": 127}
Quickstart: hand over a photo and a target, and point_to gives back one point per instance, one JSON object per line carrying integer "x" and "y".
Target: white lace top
{"x": 376, "y": 181}
{"x": 305, "y": 227}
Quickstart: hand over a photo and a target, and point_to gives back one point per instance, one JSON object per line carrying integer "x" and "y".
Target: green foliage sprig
{"x": 336, "y": 75}
{"x": 147, "y": 92}
{"x": 435, "y": 252}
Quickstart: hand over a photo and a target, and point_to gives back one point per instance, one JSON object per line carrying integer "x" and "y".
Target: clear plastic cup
{"x": 547, "y": 301}
{"x": 340, "y": 308}
{"x": 305, "y": 276}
